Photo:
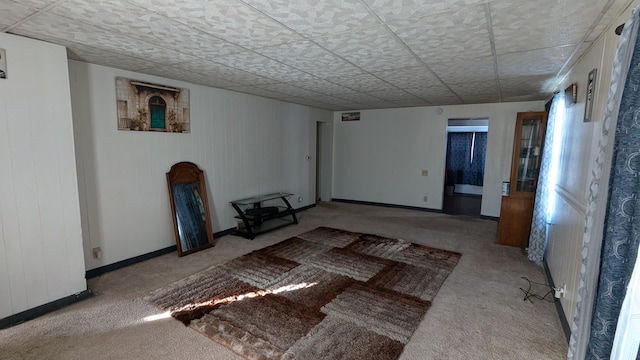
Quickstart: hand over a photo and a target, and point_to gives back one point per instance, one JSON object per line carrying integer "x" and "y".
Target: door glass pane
{"x": 529, "y": 156}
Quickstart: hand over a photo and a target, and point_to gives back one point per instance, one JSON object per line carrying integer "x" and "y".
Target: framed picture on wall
{"x": 571, "y": 95}
{"x": 3, "y": 64}
{"x": 591, "y": 88}
{"x": 351, "y": 116}
{"x": 145, "y": 106}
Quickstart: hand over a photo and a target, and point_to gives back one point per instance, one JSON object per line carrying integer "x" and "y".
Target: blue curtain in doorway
{"x": 465, "y": 157}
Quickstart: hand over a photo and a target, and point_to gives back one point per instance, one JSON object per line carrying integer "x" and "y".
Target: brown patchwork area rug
{"x": 324, "y": 294}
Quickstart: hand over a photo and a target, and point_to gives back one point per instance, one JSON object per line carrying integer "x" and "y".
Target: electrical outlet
{"x": 560, "y": 291}
{"x": 425, "y": 173}
{"x": 97, "y": 253}
{"x": 425, "y": 199}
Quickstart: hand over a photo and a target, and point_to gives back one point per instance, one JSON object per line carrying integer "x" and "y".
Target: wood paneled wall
{"x": 40, "y": 235}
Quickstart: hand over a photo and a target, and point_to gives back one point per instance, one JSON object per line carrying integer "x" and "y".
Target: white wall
{"x": 381, "y": 157}
{"x": 246, "y": 145}
{"x": 40, "y": 235}
{"x": 325, "y": 159}
{"x": 579, "y": 150}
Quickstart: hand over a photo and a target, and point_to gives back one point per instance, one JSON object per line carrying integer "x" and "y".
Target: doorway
{"x": 464, "y": 171}
{"x": 157, "y": 106}
{"x": 318, "y": 194}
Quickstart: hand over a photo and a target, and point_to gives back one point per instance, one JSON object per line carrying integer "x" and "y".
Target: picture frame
{"x": 571, "y": 95}
{"x": 351, "y": 116}
{"x": 590, "y": 94}
{"x": 3, "y": 64}
{"x": 145, "y": 106}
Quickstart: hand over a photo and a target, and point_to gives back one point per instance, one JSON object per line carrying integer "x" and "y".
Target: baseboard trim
{"x": 561, "y": 314}
{"x": 140, "y": 258}
{"x": 43, "y": 309}
{"x": 487, "y": 217}
{"x": 359, "y": 202}
{"x": 305, "y": 207}
{"x": 127, "y": 262}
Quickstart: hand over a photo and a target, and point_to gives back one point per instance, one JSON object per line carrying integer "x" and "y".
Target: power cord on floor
{"x": 528, "y": 294}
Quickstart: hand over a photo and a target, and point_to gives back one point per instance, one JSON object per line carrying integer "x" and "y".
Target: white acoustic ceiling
{"x": 331, "y": 54}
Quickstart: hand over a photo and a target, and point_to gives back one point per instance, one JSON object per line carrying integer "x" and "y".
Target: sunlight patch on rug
{"x": 324, "y": 294}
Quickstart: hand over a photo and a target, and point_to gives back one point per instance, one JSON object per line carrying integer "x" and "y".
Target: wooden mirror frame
{"x": 180, "y": 176}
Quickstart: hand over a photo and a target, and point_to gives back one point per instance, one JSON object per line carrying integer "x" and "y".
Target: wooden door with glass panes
{"x": 516, "y": 209}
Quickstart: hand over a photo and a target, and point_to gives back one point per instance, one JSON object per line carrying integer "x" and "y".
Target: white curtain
{"x": 597, "y": 203}
{"x": 546, "y": 182}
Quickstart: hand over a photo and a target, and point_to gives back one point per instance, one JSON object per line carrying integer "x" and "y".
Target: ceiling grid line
{"x": 331, "y": 54}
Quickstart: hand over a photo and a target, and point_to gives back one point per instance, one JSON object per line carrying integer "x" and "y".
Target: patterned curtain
{"x": 546, "y": 184}
{"x": 461, "y": 167}
{"x": 479, "y": 153}
{"x": 583, "y": 338}
{"x": 622, "y": 220}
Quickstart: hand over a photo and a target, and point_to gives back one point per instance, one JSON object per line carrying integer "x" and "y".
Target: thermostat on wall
{"x": 3, "y": 64}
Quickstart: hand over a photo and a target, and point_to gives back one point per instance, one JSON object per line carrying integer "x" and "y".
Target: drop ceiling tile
{"x": 482, "y": 99}
{"x": 263, "y": 66}
{"x": 134, "y": 21}
{"x": 38, "y": 4}
{"x": 573, "y": 59}
{"x": 455, "y": 71}
{"x": 411, "y": 77}
{"x": 476, "y": 88}
{"x": 209, "y": 68}
{"x": 389, "y": 10}
{"x": 312, "y": 102}
{"x": 231, "y": 20}
{"x": 336, "y": 101}
{"x": 313, "y": 18}
{"x": 96, "y": 56}
{"x": 311, "y": 58}
{"x": 412, "y": 103}
{"x": 54, "y": 28}
{"x": 89, "y": 54}
{"x": 372, "y": 49}
{"x": 609, "y": 16}
{"x": 288, "y": 89}
{"x": 12, "y": 11}
{"x": 460, "y": 33}
{"x": 380, "y": 104}
{"x": 429, "y": 92}
{"x": 253, "y": 90}
{"x": 362, "y": 82}
{"x": 527, "y": 63}
{"x": 172, "y": 72}
{"x": 323, "y": 87}
{"x": 360, "y": 98}
{"x": 445, "y": 100}
{"x": 525, "y": 25}
{"x": 394, "y": 95}
{"x": 541, "y": 86}
{"x": 528, "y": 97}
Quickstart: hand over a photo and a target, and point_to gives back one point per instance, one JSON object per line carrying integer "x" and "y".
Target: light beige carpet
{"x": 478, "y": 313}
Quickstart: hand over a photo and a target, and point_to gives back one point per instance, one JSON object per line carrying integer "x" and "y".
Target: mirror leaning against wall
{"x": 189, "y": 208}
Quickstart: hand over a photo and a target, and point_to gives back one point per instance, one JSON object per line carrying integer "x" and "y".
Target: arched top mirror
{"x": 189, "y": 208}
